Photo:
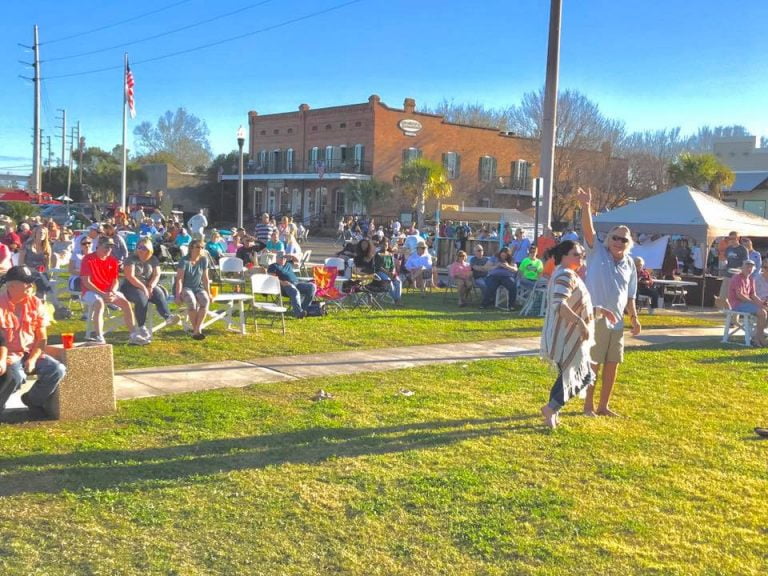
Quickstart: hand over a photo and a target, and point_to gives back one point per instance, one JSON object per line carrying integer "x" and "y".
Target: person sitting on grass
{"x": 743, "y": 298}
{"x": 23, "y": 337}
{"x": 193, "y": 287}
{"x": 300, "y": 294}
{"x": 142, "y": 275}
{"x": 99, "y": 279}
{"x": 504, "y": 273}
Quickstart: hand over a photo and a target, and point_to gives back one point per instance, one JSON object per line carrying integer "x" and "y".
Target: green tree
{"x": 702, "y": 171}
{"x": 421, "y": 180}
{"x": 183, "y": 136}
{"x": 365, "y": 192}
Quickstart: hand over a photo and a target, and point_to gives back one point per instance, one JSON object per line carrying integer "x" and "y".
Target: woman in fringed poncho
{"x": 568, "y": 330}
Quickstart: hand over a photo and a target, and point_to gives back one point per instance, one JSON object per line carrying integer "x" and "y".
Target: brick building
{"x": 300, "y": 161}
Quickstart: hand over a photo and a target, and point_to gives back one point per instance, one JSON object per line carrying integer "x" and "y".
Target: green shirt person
{"x": 531, "y": 267}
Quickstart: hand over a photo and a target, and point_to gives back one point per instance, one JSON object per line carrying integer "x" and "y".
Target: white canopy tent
{"x": 685, "y": 211}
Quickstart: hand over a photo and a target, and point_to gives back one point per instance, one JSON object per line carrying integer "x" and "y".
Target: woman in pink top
{"x": 461, "y": 273}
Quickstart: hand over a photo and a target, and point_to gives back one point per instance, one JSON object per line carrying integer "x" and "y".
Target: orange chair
{"x": 325, "y": 280}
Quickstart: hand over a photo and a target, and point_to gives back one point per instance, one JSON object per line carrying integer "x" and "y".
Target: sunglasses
{"x": 621, "y": 239}
{"x": 577, "y": 255}
{"x": 142, "y": 248}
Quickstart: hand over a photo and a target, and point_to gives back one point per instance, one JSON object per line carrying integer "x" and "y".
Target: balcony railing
{"x": 311, "y": 168}
{"x": 512, "y": 183}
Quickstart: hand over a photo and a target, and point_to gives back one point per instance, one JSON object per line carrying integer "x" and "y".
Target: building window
{"x": 452, "y": 164}
{"x": 314, "y": 156}
{"x": 275, "y": 131}
{"x": 754, "y": 206}
{"x": 359, "y": 158}
{"x": 487, "y": 170}
{"x": 276, "y": 164}
{"x": 328, "y": 126}
{"x": 290, "y": 130}
{"x": 358, "y": 124}
{"x": 521, "y": 175}
{"x": 329, "y": 159}
{"x": 314, "y": 128}
{"x": 263, "y": 132}
{"x": 262, "y": 164}
{"x": 289, "y": 161}
{"x": 410, "y": 154}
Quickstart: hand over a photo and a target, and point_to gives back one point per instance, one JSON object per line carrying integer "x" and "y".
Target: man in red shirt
{"x": 100, "y": 278}
{"x": 742, "y": 298}
{"x": 23, "y": 337}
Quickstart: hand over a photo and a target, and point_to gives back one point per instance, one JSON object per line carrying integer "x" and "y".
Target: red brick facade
{"x": 368, "y": 140}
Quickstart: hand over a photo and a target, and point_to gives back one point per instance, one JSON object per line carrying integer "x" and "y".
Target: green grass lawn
{"x": 429, "y": 320}
{"x": 459, "y": 478}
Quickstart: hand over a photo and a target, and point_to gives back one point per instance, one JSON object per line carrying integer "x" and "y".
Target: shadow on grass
{"x": 106, "y": 469}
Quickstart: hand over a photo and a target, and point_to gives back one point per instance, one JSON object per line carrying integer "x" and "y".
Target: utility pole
{"x": 80, "y": 146}
{"x": 71, "y": 156}
{"x": 50, "y": 159}
{"x": 549, "y": 124}
{"x": 63, "y": 135}
{"x": 36, "y": 160}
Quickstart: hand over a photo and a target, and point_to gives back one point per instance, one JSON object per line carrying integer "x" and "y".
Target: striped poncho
{"x": 561, "y": 340}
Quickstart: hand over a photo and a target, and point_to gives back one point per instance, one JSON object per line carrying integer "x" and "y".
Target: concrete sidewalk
{"x": 146, "y": 382}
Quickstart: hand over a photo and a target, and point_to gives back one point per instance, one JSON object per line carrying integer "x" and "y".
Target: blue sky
{"x": 652, "y": 64}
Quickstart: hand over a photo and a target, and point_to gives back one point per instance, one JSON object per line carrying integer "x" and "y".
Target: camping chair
{"x": 325, "y": 280}
{"x": 268, "y": 286}
{"x": 233, "y": 266}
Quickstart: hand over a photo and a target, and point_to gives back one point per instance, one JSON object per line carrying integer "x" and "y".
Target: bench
{"x": 87, "y": 390}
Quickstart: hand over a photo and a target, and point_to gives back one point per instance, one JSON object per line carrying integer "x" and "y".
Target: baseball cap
{"x": 106, "y": 241}
{"x": 20, "y": 274}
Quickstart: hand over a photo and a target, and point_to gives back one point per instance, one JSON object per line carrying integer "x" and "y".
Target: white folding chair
{"x": 231, "y": 265}
{"x": 269, "y": 286}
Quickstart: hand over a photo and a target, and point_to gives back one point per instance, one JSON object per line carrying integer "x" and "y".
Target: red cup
{"x": 68, "y": 340}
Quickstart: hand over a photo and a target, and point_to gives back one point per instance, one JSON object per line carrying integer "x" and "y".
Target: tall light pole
{"x": 240, "y": 142}
{"x": 549, "y": 124}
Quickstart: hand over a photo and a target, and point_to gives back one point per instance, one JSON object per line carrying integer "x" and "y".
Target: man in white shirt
{"x": 197, "y": 225}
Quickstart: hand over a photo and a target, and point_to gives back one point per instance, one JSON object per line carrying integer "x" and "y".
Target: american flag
{"x": 129, "y": 90}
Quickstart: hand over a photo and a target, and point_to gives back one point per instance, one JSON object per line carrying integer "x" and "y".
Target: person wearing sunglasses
{"x": 611, "y": 278}
{"x": 141, "y": 286}
{"x": 568, "y": 332}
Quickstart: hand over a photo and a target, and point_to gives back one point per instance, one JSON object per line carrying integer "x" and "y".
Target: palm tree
{"x": 703, "y": 171}
{"x": 366, "y": 191}
{"x": 422, "y": 179}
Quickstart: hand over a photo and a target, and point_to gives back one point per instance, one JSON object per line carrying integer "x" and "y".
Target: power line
{"x": 107, "y": 26}
{"x": 162, "y": 34}
{"x": 211, "y": 44}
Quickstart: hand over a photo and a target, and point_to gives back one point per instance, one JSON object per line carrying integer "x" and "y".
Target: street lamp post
{"x": 240, "y": 142}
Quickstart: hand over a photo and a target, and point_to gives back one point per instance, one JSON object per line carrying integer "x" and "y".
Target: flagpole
{"x": 123, "y": 179}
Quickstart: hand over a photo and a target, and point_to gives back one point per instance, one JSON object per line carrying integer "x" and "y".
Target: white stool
{"x": 736, "y": 322}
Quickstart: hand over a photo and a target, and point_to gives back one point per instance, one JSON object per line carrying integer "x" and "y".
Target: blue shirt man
{"x": 300, "y": 294}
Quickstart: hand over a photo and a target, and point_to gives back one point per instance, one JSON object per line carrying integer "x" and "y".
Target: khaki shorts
{"x": 609, "y": 344}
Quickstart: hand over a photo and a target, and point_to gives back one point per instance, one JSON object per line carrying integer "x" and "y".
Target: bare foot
{"x": 550, "y": 416}
{"x": 607, "y": 412}
{"x": 589, "y": 413}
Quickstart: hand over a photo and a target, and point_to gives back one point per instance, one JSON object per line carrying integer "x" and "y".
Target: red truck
{"x": 19, "y": 195}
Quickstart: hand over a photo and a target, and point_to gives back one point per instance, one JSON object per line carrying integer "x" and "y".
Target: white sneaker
{"x": 97, "y": 339}
{"x": 172, "y": 319}
{"x": 138, "y": 340}
{"x": 146, "y": 332}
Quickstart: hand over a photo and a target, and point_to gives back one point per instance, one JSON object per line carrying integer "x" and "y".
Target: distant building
{"x": 185, "y": 189}
{"x": 301, "y": 161}
{"x": 750, "y": 166}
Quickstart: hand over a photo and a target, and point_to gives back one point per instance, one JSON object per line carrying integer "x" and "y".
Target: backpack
{"x": 317, "y": 309}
